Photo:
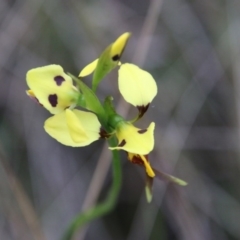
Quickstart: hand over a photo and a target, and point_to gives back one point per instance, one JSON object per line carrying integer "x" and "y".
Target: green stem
{"x": 104, "y": 207}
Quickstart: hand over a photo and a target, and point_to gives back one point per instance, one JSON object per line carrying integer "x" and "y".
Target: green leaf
{"x": 109, "y": 59}
{"x": 91, "y": 100}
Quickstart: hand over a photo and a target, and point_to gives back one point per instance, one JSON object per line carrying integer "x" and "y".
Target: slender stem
{"x": 104, "y": 207}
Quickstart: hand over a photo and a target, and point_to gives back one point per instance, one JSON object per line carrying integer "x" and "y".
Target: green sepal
{"x": 148, "y": 188}
{"x": 109, "y": 59}
{"x": 169, "y": 178}
{"x": 81, "y": 102}
{"x": 115, "y": 121}
{"x": 91, "y": 100}
{"x": 113, "y": 118}
{"x": 108, "y": 106}
{"x": 105, "y": 65}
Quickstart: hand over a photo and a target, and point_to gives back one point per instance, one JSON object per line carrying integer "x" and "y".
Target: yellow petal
{"x": 52, "y": 87}
{"x": 88, "y": 69}
{"x": 136, "y": 85}
{"x": 90, "y": 124}
{"x": 118, "y": 46}
{"x": 135, "y": 140}
{"x": 116, "y": 50}
{"x": 73, "y": 128}
{"x": 149, "y": 170}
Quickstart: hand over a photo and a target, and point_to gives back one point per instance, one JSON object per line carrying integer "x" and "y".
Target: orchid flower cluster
{"x": 62, "y": 93}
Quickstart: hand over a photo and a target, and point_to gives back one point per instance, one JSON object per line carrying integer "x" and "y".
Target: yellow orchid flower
{"x": 142, "y": 160}
{"x": 52, "y": 88}
{"x": 73, "y": 128}
{"x": 136, "y": 86}
{"x": 134, "y": 140}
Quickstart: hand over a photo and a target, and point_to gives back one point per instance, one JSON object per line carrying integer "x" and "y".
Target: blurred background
{"x": 192, "y": 48}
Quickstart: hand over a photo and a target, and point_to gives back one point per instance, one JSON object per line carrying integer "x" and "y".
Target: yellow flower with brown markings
{"x": 134, "y": 140}
{"x": 52, "y": 88}
{"x": 137, "y": 86}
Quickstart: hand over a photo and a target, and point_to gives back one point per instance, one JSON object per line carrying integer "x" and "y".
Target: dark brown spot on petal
{"x": 52, "y": 98}
{"x": 142, "y": 110}
{"x": 142, "y": 131}
{"x": 137, "y": 160}
{"x": 122, "y": 143}
{"x": 116, "y": 57}
{"x": 59, "y": 80}
{"x": 104, "y": 134}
